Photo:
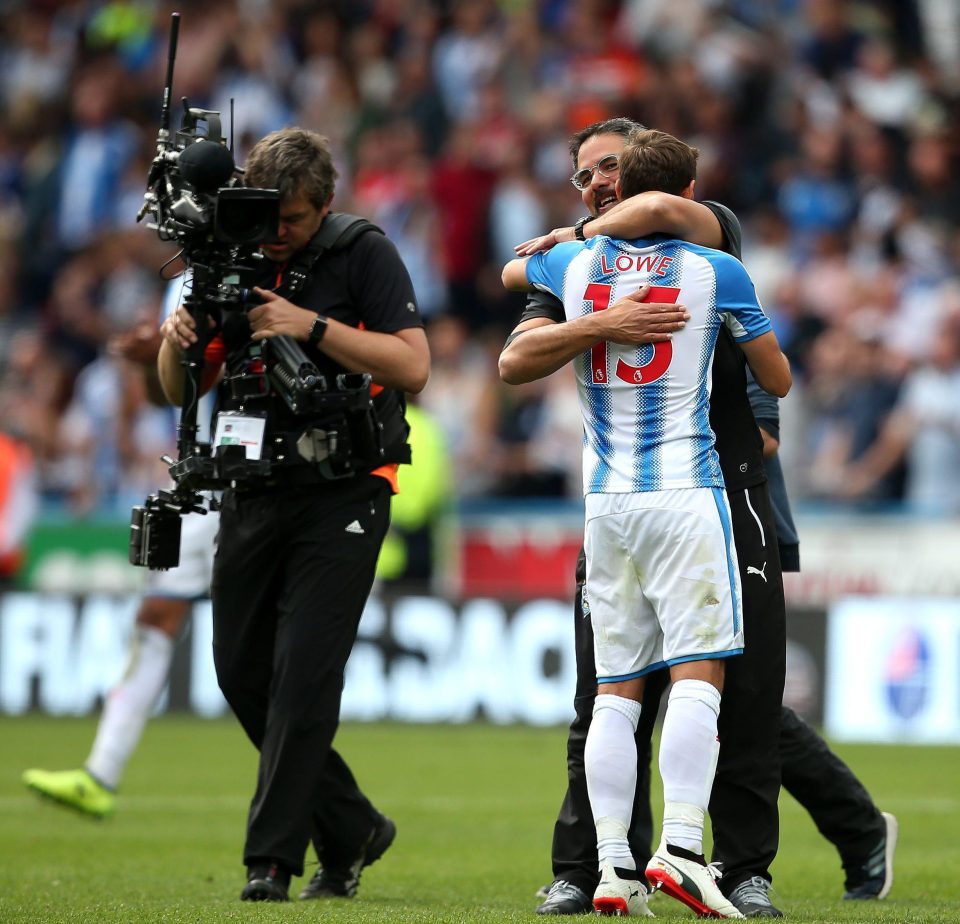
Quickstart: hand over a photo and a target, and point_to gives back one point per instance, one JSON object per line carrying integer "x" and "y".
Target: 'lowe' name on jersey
{"x": 646, "y": 409}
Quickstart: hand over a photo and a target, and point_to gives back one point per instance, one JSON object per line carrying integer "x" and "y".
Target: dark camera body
{"x": 195, "y": 198}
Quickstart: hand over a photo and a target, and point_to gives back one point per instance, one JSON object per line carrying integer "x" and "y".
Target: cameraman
{"x": 296, "y": 552}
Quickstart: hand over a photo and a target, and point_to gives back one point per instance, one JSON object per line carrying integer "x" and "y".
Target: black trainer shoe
{"x": 330, "y": 882}
{"x": 266, "y": 882}
{"x": 565, "y": 898}
{"x": 873, "y": 877}
{"x": 752, "y": 900}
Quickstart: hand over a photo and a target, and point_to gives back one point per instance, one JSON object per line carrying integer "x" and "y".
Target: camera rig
{"x": 196, "y": 199}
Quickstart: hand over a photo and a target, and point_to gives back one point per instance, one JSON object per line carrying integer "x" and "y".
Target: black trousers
{"x": 292, "y": 573}
{"x": 827, "y": 788}
{"x": 744, "y": 813}
{"x": 756, "y": 734}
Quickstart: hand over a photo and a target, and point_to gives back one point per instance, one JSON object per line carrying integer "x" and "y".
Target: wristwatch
{"x": 578, "y": 227}
{"x": 317, "y": 329}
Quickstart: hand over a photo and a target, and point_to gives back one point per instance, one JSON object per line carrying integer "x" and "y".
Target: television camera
{"x": 196, "y": 199}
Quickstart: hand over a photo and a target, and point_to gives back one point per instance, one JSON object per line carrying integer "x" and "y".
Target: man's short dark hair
{"x": 619, "y": 126}
{"x": 653, "y": 160}
{"x": 295, "y": 161}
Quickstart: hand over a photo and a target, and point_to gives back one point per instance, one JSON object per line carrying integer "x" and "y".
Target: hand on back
{"x": 631, "y": 320}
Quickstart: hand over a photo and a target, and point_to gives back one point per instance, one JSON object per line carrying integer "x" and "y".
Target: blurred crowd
{"x": 830, "y": 127}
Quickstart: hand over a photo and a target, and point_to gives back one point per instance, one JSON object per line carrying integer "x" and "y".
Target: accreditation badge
{"x": 240, "y": 429}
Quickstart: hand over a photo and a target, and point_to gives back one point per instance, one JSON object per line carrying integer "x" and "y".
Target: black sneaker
{"x": 266, "y": 882}
{"x": 329, "y": 882}
{"x": 873, "y": 877}
{"x": 752, "y": 900}
{"x": 565, "y": 898}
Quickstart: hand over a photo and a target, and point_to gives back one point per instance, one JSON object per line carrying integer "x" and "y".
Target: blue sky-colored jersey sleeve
{"x": 737, "y": 300}
{"x": 547, "y": 270}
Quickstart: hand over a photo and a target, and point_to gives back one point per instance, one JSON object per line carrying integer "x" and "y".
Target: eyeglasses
{"x": 608, "y": 166}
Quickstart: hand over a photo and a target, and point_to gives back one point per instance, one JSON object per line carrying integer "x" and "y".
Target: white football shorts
{"x": 662, "y": 580}
{"x": 191, "y": 578}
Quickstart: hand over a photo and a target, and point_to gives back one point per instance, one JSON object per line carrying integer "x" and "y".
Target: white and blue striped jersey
{"x": 646, "y": 409}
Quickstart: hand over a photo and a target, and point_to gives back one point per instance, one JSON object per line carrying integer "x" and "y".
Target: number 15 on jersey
{"x": 597, "y": 294}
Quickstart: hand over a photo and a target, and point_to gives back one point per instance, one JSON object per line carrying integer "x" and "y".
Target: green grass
{"x": 474, "y": 807}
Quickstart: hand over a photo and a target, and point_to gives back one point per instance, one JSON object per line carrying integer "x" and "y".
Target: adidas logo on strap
{"x": 355, "y": 528}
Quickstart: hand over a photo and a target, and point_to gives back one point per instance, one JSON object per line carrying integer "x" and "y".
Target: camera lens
{"x": 247, "y": 216}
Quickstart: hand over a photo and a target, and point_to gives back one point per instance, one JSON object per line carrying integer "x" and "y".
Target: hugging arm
{"x": 539, "y": 346}
{"x": 640, "y": 216}
{"x": 769, "y": 366}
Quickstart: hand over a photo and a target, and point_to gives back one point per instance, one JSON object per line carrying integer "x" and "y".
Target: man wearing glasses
{"x": 755, "y": 729}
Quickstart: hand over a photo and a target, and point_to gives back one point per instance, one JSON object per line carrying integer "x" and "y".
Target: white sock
{"x": 610, "y": 761}
{"x": 130, "y": 703}
{"x": 688, "y": 760}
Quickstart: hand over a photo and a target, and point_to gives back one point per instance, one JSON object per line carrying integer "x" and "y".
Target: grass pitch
{"x": 474, "y": 807}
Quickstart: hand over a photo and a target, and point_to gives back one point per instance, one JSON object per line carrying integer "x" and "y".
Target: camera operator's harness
{"x": 351, "y": 425}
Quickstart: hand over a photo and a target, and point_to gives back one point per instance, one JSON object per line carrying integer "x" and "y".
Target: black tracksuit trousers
{"x": 756, "y": 734}
{"x": 293, "y": 570}
{"x": 838, "y": 803}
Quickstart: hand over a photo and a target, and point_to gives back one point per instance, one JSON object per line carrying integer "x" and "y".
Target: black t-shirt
{"x": 364, "y": 285}
{"x": 738, "y": 440}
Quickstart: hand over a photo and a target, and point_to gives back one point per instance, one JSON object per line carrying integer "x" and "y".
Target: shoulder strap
{"x": 338, "y": 231}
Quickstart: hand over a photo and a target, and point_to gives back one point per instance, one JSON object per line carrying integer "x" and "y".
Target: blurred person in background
{"x": 109, "y": 437}
{"x": 100, "y": 141}
{"x": 18, "y": 504}
{"x": 462, "y": 397}
{"x": 523, "y": 423}
{"x": 886, "y": 92}
{"x": 412, "y": 548}
{"x": 816, "y": 197}
{"x": 166, "y": 604}
{"x": 874, "y": 162}
{"x": 37, "y": 64}
{"x": 417, "y": 100}
{"x": 462, "y": 186}
{"x": 922, "y": 431}
{"x": 256, "y": 70}
{"x": 467, "y": 55}
{"x": 832, "y": 37}
{"x": 392, "y": 185}
{"x": 34, "y": 389}
{"x": 163, "y": 609}
{"x": 857, "y": 384}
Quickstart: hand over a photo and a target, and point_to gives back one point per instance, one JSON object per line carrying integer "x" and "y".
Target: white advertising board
{"x": 417, "y": 659}
{"x": 893, "y": 670}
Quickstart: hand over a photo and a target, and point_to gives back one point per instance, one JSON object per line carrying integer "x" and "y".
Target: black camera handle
{"x": 203, "y": 291}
